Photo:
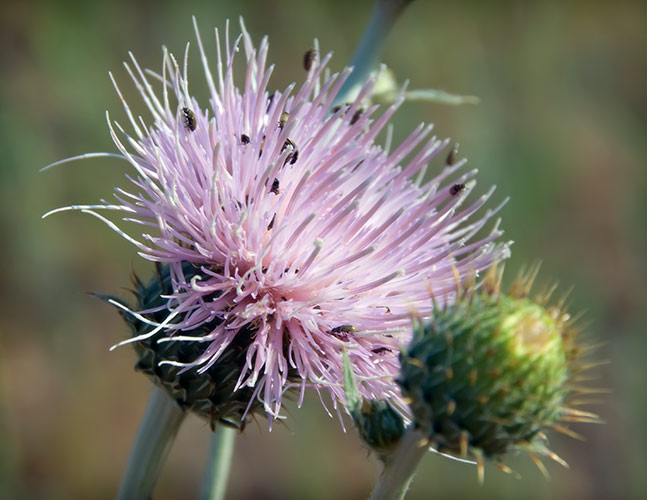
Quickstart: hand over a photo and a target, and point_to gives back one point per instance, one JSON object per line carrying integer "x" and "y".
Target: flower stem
{"x": 369, "y": 50}
{"x": 221, "y": 451}
{"x": 152, "y": 444}
{"x": 400, "y": 466}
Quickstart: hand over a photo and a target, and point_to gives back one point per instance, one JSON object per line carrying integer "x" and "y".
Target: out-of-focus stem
{"x": 369, "y": 50}
{"x": 400, "y": 466}
{"x": 152, "y": 444}
{"x": 221, "y": 451}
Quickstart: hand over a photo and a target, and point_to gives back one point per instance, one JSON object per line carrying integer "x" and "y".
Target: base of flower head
{"x": 210, "y": 394}
{"x": 379, "y": 425}
{"x": 490, "y": 373}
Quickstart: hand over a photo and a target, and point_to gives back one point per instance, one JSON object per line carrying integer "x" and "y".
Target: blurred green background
{"x": 560, "y": 128}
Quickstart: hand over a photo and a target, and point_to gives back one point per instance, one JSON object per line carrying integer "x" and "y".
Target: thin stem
{"x": 152, "y": 444}
{"x": 368, "y": 52}
{"x": 221, "y": 451}
{"x": 400, "y": 467}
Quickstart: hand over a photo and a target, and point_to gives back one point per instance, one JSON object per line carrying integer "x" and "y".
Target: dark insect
{"x": 271, "y": 224}
{"x": 344, "y": 329}
{"x": 451, "y": 157}
{"x": 244, "y": 139}
{"x": 457, "y": 188}
{"x": 345, "y": 108}
{"x": 275, "y": 187}
{"x": 381, "y": 350}
{"x": 188, "y": 118}
{"x": 270, "y": 98}
{"x": 292, "y": 157}
{"x": 308, "y": 59}
{"x": 284, "y": 119}
{"x": 356, "y": 116}
{"x": 341, "y": 332}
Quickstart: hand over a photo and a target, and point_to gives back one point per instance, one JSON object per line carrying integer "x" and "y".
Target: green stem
{"x": 221, "y": 451}
{"x": 152, "y": 444}
{"x": 368, "y": 52}
{"x": 400, "y": 467}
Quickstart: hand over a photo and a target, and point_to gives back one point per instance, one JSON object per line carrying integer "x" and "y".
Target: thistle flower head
{"x": 304, "y": 235}
{"x": 492, "y": 372}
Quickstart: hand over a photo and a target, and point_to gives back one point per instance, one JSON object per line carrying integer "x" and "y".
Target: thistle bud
{"x": 210, "y": 394}
{"x": 379, "y": 425}
{"x": 489, "y": 373}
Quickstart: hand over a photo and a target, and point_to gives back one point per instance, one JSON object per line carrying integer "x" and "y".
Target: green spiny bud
{"x": 489, "y": 373}
{"x": 379, "y": 425}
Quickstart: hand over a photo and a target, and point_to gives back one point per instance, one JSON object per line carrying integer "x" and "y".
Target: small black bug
{"x": 457, "y": 188}
{"x": 270, "y": 98}
{"x": 188, "y": 118}
{"x": 244, "y": 139}
{"x": 275, "y": 187}
{"x": 344, "y": 329}
{"x": 292, "y": 157}
{"x": 309, "y": 58}
{"x": 341, "y": 332}
{"x": 271, "y": 224}
{"x": 451, "y": 157}
{"x": 356, "y": 116}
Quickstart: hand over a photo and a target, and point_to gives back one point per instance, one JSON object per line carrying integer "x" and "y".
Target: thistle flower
{"x": 492, "y": 372}
{"x": 304, "y": 235}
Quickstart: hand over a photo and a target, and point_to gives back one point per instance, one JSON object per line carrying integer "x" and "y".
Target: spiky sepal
{"x": 489, "y": 373}
{"x": 210, "y": 394}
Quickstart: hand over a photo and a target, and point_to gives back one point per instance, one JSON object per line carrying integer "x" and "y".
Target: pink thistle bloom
{"x": 302, "y": 226}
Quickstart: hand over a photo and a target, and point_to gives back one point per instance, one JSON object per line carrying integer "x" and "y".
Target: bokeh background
{"x": 560, "y": 128}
